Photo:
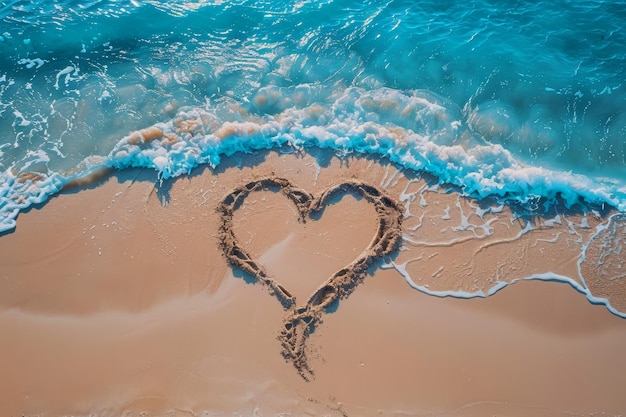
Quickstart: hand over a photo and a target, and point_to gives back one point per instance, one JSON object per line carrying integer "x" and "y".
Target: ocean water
{"x": 521, "y": 100}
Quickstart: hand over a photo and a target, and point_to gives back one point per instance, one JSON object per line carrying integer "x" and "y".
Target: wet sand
{"x": 117, "y": 300}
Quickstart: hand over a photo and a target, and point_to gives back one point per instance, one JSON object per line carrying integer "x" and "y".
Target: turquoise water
{"x": 521, "y": 100}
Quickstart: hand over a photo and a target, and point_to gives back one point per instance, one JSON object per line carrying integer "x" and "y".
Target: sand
{"x": 302, "y": 319}
{"x": 117, "y": 299}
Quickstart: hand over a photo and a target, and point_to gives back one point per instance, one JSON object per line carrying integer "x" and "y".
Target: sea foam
{"x": 414, "y": 129}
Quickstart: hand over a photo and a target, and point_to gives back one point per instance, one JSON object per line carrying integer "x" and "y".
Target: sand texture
{"x": 135, "y": 297}
{"x": 301, "y": 320}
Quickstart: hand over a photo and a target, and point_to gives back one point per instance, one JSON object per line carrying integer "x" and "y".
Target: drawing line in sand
{"x": 300, "y": 321}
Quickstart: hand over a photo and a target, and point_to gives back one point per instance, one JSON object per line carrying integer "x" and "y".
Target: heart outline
{"x": 300, "y": 321}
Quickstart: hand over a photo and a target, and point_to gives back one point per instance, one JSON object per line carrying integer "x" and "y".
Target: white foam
{"x": 32, "y": 63}
{"x": 548, "y": 276}
{"x": 402, "y": 126}
{"x": 414, "y": 129}
{"x": 71, "y": 74}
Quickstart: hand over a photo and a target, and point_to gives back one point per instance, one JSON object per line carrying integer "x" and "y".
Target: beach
{"x": 117, "y": 299}
{"x": 325, "y": 208}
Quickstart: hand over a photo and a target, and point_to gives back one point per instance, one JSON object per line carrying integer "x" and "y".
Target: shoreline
{"x": 128, "y": 304}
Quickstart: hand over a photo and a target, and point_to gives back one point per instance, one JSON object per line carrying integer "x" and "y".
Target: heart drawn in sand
{"x": 301, "y": 320}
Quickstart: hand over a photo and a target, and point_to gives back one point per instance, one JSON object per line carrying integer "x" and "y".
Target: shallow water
{"x": 522, "y": 100}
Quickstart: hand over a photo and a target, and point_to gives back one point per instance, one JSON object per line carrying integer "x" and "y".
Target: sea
{"x": 516, "y": 100}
